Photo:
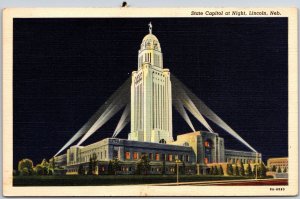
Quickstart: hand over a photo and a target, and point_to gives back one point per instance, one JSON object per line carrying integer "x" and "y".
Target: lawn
{"x": 77, "y": 180}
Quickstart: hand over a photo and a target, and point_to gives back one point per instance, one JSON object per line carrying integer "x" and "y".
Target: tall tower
{"x": 151, "y": 96}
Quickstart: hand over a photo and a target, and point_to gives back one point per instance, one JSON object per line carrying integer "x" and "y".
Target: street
{"x": 244, "y": 182}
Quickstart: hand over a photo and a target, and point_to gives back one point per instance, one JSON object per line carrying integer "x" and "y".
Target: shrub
{"x": 249, "y": 170}
{"x": 81, "y": 170}
{"x": 26, "y": 166}
{"x": 229, "y": 169}
{"x": 242, "y": 170}
{"x": 284, "y": 170}
{"x": 237, "y": 171}
{"x": 279, "y": 170}
{"x": 262, "y": 170}
{"x": 221, "y": 172}
{"x": 25, "y": 172}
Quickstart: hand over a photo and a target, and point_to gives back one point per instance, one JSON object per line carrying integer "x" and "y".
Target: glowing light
{"x": 103, "y": 109}
{"x": 123, "y": 121}
{"x": 187, "y": 102}
{"x": 179, "y": 107}
{"x": 115, "y": 106}
{"x": 208, "y": 113}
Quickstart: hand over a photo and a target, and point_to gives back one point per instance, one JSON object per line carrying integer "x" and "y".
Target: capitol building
{"x": 151, "y": 130}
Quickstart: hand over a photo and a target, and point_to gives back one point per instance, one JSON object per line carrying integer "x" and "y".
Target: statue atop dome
{"x": 150, "y": 28}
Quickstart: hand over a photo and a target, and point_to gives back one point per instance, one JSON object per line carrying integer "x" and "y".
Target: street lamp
{"x": 256, "y": 163}
{"x": 177, "y": 163}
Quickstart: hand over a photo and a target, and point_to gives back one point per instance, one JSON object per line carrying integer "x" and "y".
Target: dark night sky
{"x": 64, "y": 70}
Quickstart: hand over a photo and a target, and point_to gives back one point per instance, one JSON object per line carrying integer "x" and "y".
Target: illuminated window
{"x": 207, "y": 144}
{"x": 205, "y": 160}
{"x": 169, "y": 157}
{"x": 135, "y": 155}
{"x": 157, "y": 156}
{"x": 127, "y": 155}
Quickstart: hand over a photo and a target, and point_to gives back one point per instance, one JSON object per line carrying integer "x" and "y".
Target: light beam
{"x": 84, "y": 129}
{"x": 208, "y": 113}
{"x": 123, "y": 121}
{"x": 179, "y": 107}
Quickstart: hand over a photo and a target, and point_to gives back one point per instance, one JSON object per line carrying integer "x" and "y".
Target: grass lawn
{"x": 77, "y": 180}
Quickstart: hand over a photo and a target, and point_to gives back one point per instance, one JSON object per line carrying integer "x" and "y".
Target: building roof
{"x": 150, "y": 42}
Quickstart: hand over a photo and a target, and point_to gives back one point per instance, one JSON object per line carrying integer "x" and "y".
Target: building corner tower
{"x": 151, "y": 95}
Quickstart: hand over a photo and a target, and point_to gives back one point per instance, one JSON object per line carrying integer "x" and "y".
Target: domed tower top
{"x": 150, "y": 41}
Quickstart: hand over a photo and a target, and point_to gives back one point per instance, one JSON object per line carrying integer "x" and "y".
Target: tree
{"x": 215, "y": 170}
{"x": 279, "y": 170}
{"x": 144, "y": 165}
{"x": 211, "y": 170}
{"x": 44, "y": 163}
{"x": 249, "y": 170}
{"x": 163, "y": 172}
{"x": 284, "y": 170}
{"x": 110, "y": 168}
{"x": 25, "y": 171}
{"x": 44, "y": 168}
{"x": 242, "y": 170}
{"x": 221, "y": 172}
{"x": 25, "y": 167}
{"x": 81, "y": 170}
{"x": 274, "y": 168}
{"x": 90, "y": 168}
{"x": 116, "y": 165}
{"x": 92, "y": 164}
{"x": 237, "y": 171}
{"x": 39, "y": 170}
{"x": 262, "y": 170}
{"x": 229, "y": 169}
{"x": 52, "y": 163}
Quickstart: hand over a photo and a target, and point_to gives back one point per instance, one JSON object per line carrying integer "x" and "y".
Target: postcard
{"x": 150, "y": 102}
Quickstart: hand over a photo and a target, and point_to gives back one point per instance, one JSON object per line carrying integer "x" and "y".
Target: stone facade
{"x": 196, "y": 150}
{"x": 245, "y": 157}
{"x": 151, "y": 96}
